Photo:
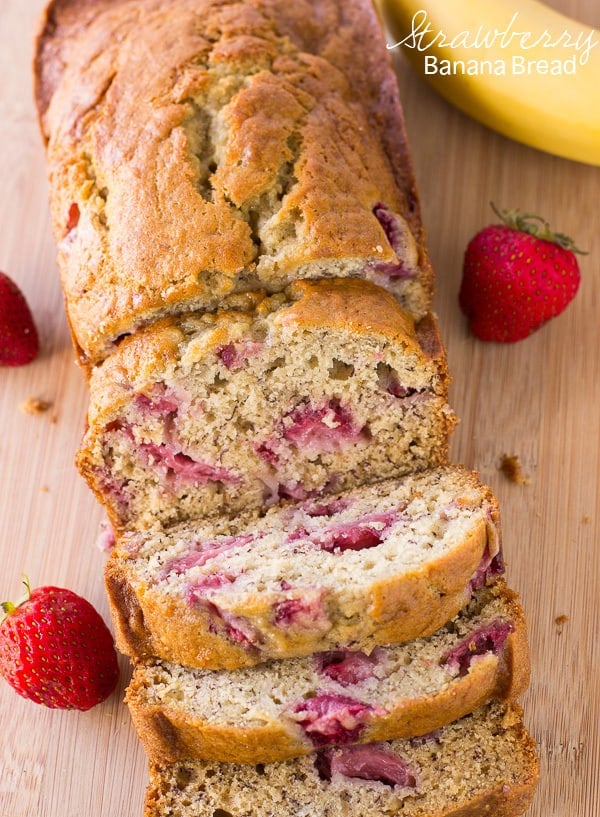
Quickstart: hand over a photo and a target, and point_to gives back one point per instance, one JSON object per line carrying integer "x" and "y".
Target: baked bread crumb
{"x": 483, "y": 764}
{"x": 560, "y": 622}
{"x": 512, "y": 470}
{"x": 34, "y": 405}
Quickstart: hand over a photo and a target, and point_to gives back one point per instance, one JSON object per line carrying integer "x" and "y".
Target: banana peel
{"x": 517, "y": 66}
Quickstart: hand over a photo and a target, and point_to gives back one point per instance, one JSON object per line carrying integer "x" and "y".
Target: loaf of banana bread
{"x": 199, "y": 148}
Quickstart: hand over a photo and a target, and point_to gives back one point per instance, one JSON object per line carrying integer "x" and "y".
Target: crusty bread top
{"x": 196, "y": 148}
{"x": 351, "y": 304}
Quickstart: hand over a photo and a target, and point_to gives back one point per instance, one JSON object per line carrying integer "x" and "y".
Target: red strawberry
{"x": 56, "y": 650}
{"x": 516, "y": 276}
{"x": 19, "y": 342}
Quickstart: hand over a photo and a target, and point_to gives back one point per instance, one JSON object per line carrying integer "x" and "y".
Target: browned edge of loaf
{"x": 149, "y": 624}
{"x": 498, "y": 801}
{"x": 358, "y": 30}
{"x": 169, "y": 735}
{"x": 131, "y": 635}
{"x": 60, "y": 20}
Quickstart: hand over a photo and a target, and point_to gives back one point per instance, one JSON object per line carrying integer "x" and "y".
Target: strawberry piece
{"x": 489, "y": 639}
{"x": 19, "y": 341}
{"x": 72, "y": 218}
{"x": 325, "y": 429}
{"x": 516, "y": 276}
{"x": 373, "y": 761}
{"x": 56, "y": 650}
{"x": 331, "y": 719}
{"x": 348, "y": 667}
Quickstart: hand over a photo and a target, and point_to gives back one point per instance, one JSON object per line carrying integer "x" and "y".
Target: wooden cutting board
{"x": 538, "y": 399}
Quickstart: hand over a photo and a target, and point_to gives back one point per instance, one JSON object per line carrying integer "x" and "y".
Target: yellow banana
{"x": 518, "y": 66}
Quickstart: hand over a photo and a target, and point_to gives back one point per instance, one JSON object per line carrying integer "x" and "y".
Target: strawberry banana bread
{"x": 376, "y": 565}
{"x": 264, "y": 143}
{"x": 482, "y": 764}
{"x": 283, "y": 709}
{"x": 313, "y": 390}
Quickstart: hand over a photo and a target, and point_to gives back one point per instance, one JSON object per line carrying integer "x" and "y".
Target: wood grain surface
{"x": 538, "y": 399}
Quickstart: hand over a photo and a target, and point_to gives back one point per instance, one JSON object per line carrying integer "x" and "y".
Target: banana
{"x": 517, "y": 66}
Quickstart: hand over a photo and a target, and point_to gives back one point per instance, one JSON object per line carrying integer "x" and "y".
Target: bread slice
{"x": 376, "y": 565}
{"x": 283, "y": 709}
{"x": 482, "y": 764}
{"x": 320, "y": 388}
{"x": 266, "y": 145}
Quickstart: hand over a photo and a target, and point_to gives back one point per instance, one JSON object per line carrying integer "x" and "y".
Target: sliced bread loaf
{"x": 284, "y": 709}
{"x": 376, "y": 565}
{"x": 482, "y": 764}
{"x": 321, "y": 388}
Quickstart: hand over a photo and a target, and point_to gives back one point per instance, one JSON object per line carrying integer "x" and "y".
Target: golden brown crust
{"x": 57, "y": 24}
{"x": 167, "y": 737}
{"x": 169, "y": 198}
{"x": 168, "y": 733}
{"x": 127, "y": 614}
{"x": 352, "y": 304}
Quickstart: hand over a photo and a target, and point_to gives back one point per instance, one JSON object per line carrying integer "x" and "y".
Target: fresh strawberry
{"x": 516, "y": 276}
{"x": 56, "y": 650}
{"x": 19, "y": 342}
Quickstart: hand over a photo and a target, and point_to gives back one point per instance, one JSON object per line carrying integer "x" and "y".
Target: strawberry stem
{"x": 535, "y": 225}
{"x": 9, "y": 607}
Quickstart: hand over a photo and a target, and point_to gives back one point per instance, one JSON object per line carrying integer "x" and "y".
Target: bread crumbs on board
{"x": 34, "y": 405}
{"x": 512, "y": 470}
{"x": 560, "y": 621}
